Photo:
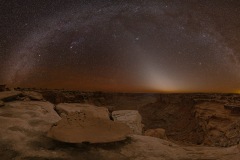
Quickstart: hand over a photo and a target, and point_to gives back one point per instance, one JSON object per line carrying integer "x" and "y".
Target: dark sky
{"x": 133, "y": 46}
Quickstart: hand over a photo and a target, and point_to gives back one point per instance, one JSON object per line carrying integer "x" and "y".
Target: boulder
{"x": 158, "y": 133}
{"x": 83, "y": 126}
{"x": 33, "y": 95}
{"x": 64, "y": 109}
{"x": 9, "y": 95}
{"x": 130, "y": 117}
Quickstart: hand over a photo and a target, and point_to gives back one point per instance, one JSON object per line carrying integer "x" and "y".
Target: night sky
{"x": 121, "y": 46}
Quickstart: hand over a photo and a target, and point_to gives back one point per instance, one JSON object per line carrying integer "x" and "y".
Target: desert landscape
{"x": 57, "y": 124}
{"x": 120, "y": 80}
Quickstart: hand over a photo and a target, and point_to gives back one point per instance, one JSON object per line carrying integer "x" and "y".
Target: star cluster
{"x": 133, "y": 46}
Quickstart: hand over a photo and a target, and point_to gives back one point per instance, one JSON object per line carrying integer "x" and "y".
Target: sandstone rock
{"x": 1, "y": 103}
{"x": 83, "y": 126}
{"x": 9, "y": 95}
{"x": 220, "y": 127}
{"x": 130, "y": 117}
{"x": 33, "y": 95}
{"x": 24, "y": 126}
{"x": 98, "y": 112}
{"x": 158, "y": 133}
{"x": 150, "y": 148}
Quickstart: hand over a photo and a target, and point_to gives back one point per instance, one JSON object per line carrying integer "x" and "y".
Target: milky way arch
{"x": 153, "y": 45}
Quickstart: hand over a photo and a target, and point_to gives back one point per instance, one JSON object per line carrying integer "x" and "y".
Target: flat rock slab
{"x": 8, "y": 95}
{"x": 82, "y": 126}
{"x": 130, "y": 117}
{"x": 98, "y": 112}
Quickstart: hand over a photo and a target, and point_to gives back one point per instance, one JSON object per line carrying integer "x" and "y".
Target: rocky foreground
{"x": 118, "y": 126}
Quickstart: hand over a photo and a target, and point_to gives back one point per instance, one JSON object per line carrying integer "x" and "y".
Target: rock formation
{"x": 64, "y": 109}
{"x": 83, "y": 126}
{"x": 234, "y": 108}
{"x": 188, "y": 119}
{"x": 9, "y": 95}
{"x": 130, "y": 117}
{"x": 158, "y": 133}
{"x": 33, "y": 95}
{"x": 221, "y": 128}
{"x": 150, "y": 148}
{"x": 24, "y": 126}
